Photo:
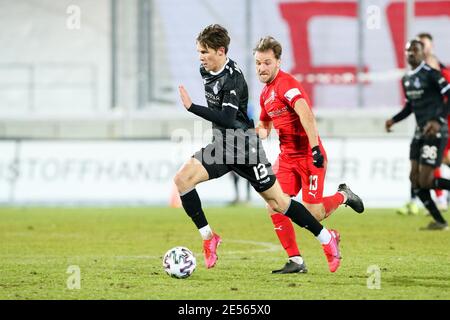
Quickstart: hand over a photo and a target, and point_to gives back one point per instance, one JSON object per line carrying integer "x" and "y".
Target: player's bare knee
{"x": 275, "y": 206}
{"x": 183, "y": 181}
{"x": 270, "y": 211}
{"x": 271, "y": 205}
{"x": 179, "y": 180}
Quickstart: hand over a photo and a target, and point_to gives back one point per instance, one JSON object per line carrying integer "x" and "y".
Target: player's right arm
{"x": 403, "y": 114}
{"x": 224, "y": 118}
{"x": 441, "y": 82}
{"x": 265, "y": 122}
{"x": 433, "y": 126}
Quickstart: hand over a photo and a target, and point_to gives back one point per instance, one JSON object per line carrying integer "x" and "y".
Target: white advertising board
{"x": 141, "y": 172}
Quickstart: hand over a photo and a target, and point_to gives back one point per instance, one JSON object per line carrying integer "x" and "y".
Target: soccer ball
{"x": 179, "y": 262}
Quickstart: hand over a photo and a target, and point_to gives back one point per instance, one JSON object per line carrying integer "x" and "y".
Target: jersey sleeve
{"x": 289, "y": 91}
{"x": 232, "y": 92}
{"x": 441, "y": 82}
{"x": 263, "y": 116}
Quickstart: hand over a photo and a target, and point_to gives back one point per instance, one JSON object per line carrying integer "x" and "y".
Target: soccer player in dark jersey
{"x": 235, "y": 147}
{"x": 302, "y": 163}
{"x": 424, "y": 88}
{"x": 431, "y": 59}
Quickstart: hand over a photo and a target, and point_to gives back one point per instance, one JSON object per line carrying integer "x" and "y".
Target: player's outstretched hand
{"x": 317, "y": 157}
{"x": 389, "y": 123}
{"x": 185, "y": 99}
{"x": 431, "y": 128}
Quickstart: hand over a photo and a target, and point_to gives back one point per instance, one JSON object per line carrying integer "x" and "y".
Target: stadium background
{"x": 89, "y": 112}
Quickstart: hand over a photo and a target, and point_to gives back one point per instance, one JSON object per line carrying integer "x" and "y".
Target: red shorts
{"x": 294, "y": 174}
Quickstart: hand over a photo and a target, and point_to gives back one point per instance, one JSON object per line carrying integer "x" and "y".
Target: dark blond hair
{"x": 269, "y": 43}
{"x": 425, "y": 35}
{"x": 214, "y": 36}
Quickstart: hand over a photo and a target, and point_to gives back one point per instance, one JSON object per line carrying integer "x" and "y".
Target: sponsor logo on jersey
{"x": 265, "y": 180}
{"x": 417, "y": 83}
{"x": 212, "y": 98}
{"x": 277, "y": 112}
{"x": 414, "y": 94}
{"x": 271, "y": 98}
{"x": 216, "y": 88}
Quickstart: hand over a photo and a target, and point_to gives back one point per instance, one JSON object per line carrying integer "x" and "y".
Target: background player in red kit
{"x": 303, "y": 160}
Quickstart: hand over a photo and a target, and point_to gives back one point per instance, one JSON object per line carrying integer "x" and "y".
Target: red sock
{"x": 437, "y": 174}
{"x": 286, "y": 234}
{"x": 331, "y": 203}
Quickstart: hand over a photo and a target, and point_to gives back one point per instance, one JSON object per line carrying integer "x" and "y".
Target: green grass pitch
{"x": 119, "y": 254}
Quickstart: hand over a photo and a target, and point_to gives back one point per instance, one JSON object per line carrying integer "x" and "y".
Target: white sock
{"x": 442, "y": 199}
{"x": 324, "y": 236}
{"x": 344, "y": 195}
{"x": 296, "y": 259}
{"x": 206, "y": 232}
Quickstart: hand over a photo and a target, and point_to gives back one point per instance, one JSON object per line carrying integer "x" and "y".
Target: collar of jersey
{"x": 216, "y": 73}
{"x": 273, "y": 80}
{"x": 417, "y": 69}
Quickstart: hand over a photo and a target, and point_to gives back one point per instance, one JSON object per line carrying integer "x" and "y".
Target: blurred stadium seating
{"x": 114, "y": 72}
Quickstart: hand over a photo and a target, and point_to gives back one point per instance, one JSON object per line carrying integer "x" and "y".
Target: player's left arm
{"x": 440, "y": 116}
{"x": 308, "y": 122}
{"x": 441, "y": 81}
{"x": 225, "y": 118}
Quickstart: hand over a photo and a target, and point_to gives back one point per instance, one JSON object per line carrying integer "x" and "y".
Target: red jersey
{"x": 277, "y": 102}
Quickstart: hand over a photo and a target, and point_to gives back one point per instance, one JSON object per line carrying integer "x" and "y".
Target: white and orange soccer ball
{"x": 179, "y": 262}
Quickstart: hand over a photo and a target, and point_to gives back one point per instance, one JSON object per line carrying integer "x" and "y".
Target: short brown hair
{"x": 269, "y": 43}
{"x": 425, "y": 35}
{"x": 214, "y": 36}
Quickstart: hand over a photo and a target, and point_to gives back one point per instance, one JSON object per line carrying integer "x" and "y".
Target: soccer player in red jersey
{"x": 302, "y": 162}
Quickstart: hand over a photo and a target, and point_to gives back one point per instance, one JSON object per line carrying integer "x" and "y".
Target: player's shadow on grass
{"x": 423, "y": 281}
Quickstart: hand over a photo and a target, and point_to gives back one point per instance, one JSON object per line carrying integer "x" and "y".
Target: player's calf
{"x": 316, "y": 209}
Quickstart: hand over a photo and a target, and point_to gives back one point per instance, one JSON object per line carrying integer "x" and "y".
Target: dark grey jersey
{"x": 424, "y": 88}
{"x": 227, "y": 88}
{"x": 233, "y": 131}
